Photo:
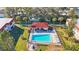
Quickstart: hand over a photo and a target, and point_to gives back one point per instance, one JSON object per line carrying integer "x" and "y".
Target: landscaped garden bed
{"x": 42, "y": 47}
{"x": 67, "y": 42}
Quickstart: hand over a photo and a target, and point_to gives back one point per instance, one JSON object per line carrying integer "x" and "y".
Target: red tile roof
{"x": 40, "y": 24}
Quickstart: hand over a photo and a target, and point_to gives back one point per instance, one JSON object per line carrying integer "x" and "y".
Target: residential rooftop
{"x": 4, "y": 21}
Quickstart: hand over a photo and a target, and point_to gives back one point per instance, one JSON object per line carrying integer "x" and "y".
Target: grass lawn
{"x": 22, "y": 44}
{"x": 20, "y": 26}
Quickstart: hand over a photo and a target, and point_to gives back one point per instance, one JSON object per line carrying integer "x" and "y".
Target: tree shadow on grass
{"x": 16, "y": 32}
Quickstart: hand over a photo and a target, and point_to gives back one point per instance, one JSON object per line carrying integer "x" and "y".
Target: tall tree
{"x": 17, "y": 19}
{"x": 60, "y": 19}
{"x": 54, "y": 19}
{"x": 25, "y": 19}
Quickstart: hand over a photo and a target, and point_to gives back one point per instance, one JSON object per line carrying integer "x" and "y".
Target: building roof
{"x": 77, "y": 26}
{"x": 4, "y": 21}
{"x": 77, "y": 21}
{"x": 76, "y": 32}
{"x": 40, "y": 24}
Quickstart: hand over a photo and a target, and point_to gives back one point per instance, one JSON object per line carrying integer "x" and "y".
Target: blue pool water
{"x": 1, "y": 15}
{"x": 45, "y": 38}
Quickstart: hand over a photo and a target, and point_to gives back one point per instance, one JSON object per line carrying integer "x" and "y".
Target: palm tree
{"x": 70, "y": 28}
{"x": 7, "y": 12}
{"x": 18, "y": 19}
{"x": 60, "y": 19}
{"x": 25, "y": 19}
{"x": 71, "y": 12}
{"x": 54, "y": 19}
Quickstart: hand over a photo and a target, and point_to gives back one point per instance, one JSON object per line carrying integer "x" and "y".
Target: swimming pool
{"x": 42, "y": 38}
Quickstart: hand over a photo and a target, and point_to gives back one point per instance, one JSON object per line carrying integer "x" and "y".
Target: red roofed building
{"x": 40, "y": 24}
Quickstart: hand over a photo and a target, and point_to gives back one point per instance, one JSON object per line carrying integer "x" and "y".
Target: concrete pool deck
{"x": 54, "y": 37}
